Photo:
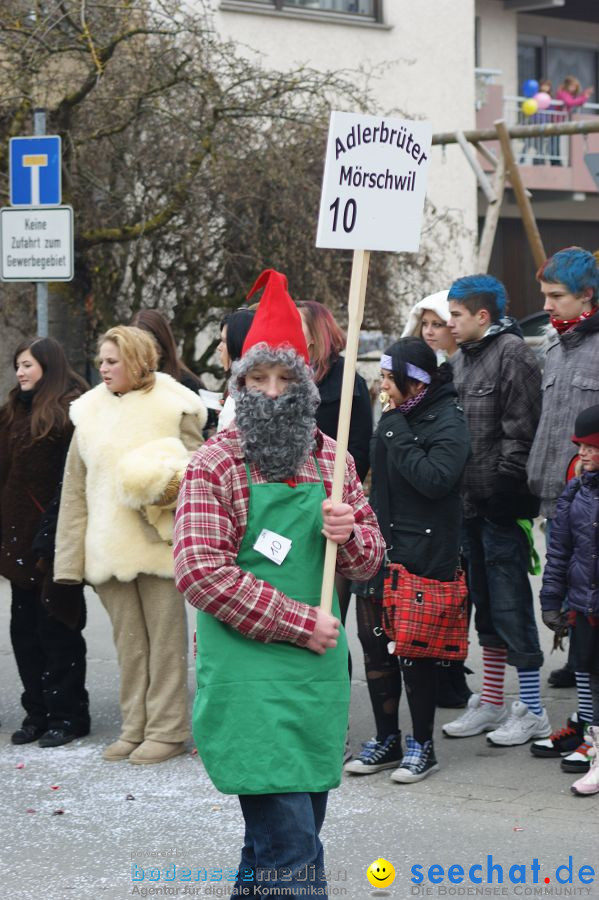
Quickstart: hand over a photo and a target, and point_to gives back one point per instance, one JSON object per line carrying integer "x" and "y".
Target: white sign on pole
{"x": 374, "y": 183}
{"x": 36, "y": 243}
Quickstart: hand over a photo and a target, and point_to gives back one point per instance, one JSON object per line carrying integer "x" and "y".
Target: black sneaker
{"x": 376, "y": 755}
{"x": 580, "y": 760}
{"x": 562, "y": 678}
{"x": 26, "y": 734}
{"x": 56, "y": 737}
{"x": 419, "y": 761}
{"x": 561, "y": 742}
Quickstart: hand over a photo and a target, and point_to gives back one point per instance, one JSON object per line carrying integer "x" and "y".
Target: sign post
{"x": 373, "y": 193}
{"x": 36, "y": 232}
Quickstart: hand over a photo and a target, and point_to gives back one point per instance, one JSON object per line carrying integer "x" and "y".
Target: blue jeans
{"x": 497, "y": 568}
{"x": 282, "y": 848}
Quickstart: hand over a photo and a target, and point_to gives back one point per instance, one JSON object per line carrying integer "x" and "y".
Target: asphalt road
{"x": 74, "y": 826}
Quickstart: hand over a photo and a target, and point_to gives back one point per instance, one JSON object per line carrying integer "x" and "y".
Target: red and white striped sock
{"x": 494, "y": 662}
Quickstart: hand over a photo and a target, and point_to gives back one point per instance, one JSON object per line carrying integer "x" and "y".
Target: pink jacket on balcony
{"x": 569, "y": 100}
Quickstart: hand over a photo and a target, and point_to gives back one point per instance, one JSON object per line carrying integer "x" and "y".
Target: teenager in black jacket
{"x": 418, "y": 455}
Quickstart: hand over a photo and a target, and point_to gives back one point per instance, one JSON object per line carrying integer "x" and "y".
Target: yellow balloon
{"x": 529, "y": 106}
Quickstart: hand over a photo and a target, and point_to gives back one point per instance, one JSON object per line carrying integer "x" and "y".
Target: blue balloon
{"x": 530, "y": 87}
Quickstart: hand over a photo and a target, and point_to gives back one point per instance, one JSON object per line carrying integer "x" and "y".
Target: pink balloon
{"x": 543, "y": 100}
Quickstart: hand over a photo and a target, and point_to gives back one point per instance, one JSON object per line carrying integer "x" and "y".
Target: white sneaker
{"x": 589, "y": 783}
{"x": 477, "y": 718}
{"x": 521, "y": 726}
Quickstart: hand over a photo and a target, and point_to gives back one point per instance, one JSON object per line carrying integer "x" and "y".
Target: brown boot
{"x": 119, "y": 750}
{"x": 151, "y": 752}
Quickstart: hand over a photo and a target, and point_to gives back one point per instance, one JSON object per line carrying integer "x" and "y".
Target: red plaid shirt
{"x": 209, "y": 527}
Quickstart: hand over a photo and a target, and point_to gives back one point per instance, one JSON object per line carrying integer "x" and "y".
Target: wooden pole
{"x": 481, "y": 175}
{"x": 526, "y": 211}
{"x": 516, "y": 131}
{"x": 491, "y": 219}
{"x": 488, "y": 155}
{"x": 355, "y": 314}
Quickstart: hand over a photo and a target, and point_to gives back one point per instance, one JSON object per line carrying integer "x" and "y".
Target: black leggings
{"x": 384, "y": 676}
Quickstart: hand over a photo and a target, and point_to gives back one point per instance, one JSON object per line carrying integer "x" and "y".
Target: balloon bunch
{"x": 534, "y": 98}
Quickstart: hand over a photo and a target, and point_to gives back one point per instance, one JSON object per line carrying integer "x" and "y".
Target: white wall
{"x": 498, "y": 42}
{"x": 421, "y": 65}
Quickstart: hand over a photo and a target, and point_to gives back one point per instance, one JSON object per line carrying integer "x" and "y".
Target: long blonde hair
{"x": 139, "y": 354}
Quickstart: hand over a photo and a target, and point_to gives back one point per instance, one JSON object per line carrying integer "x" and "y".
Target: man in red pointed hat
{"x": 271, "y": 709}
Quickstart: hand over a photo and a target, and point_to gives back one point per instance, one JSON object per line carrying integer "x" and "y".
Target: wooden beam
{"x": 524, "y": 204}
{"x": 481, "y": 175}
{"x": 487, "y": 237}
{"x": 490, "y": 157}
{"x": 489, "y": 134}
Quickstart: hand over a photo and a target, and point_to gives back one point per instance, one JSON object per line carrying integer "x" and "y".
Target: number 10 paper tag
{"x": 272, "y": 545}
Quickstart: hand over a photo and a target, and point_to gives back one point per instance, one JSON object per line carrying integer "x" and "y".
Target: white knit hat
{"x": 436, "y": 303}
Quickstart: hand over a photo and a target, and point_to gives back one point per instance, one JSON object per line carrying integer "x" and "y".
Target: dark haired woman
{"x": 46, "y": 622}
{"x": 418, "y": 454}
{"x": 169, "y": 361}
{"x": 233, "y": 331}
{"x": 326, "y": 342}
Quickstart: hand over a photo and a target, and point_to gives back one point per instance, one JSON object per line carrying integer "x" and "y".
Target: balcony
{"x": 546, "y": 163}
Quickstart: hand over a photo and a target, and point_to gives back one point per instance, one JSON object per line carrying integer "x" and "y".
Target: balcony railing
{"x": 554, "y": 150}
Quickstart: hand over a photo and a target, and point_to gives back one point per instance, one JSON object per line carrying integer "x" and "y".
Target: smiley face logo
{"x": 380, "y": 873}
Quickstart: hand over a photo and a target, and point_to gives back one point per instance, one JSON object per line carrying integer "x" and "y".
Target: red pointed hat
{"x": 277, "y": 322}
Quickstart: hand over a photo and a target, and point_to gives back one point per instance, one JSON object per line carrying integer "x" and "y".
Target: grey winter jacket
{"x": 570, "y": 384}
{"x": 498, "y": 382}
{"x": 572, "y": 565}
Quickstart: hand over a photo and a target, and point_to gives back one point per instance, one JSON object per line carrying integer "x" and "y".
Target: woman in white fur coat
{"x": 134, "y": 435}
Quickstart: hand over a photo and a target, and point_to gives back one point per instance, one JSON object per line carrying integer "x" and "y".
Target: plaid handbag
{"x": 425, "y": 618}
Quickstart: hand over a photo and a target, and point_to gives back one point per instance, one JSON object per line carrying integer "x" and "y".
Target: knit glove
{"x": 556, "y": 620}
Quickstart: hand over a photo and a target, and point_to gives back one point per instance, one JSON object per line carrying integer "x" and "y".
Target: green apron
{"x": 272, "y": 718}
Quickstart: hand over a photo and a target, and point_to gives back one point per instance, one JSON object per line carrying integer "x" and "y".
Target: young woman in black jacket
{"x": 46, "y": 619}
{"x": 418, "y": 454}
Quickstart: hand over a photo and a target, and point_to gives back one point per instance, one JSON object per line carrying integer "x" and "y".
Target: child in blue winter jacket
{"x": 572, "y": 568}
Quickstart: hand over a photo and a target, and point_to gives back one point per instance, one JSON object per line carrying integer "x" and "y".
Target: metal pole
{"x": 41, "y": 287}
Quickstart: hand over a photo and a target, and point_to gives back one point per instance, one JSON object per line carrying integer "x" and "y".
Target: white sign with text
{"x": 37, "y": 243}
{"x": 374, "y": 183}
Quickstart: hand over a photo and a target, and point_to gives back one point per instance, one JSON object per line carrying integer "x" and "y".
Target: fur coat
{"x": 127, "y": 451}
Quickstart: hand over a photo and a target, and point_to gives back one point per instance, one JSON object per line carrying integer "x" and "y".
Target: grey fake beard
{"x": 277, "y": 433}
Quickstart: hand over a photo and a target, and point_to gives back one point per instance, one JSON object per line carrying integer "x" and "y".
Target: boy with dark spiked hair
{"x": 271, "y": 710}
{"x": 498, "y": 383}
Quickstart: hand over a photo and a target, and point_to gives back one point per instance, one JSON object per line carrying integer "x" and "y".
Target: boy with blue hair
{"x": 499, "y": 385}
{"x": 569, "y": 282}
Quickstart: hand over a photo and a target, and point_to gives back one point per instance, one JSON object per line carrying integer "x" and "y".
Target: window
{"x": 356, "y": 7}
{"x": 530, "y": 62}
{"x": 362, "y": 10}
